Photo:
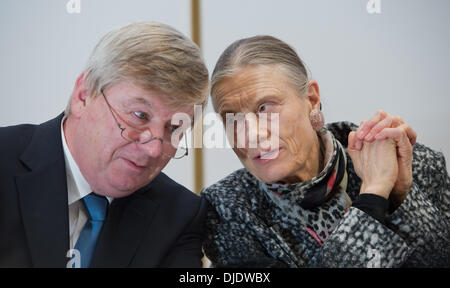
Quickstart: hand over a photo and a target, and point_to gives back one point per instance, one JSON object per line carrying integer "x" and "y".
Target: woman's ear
{"x": 80, "y": 96}
{"x": 313, "y": 95}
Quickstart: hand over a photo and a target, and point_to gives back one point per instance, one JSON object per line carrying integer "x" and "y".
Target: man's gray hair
{"x": 259, "y": 50}
{"x": 153, "y": 56}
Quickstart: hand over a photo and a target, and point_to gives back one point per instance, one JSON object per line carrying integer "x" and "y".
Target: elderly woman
{"x": 326, "y": 196}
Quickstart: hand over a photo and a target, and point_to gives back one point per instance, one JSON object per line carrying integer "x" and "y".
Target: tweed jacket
{"x": 243, "y": 232}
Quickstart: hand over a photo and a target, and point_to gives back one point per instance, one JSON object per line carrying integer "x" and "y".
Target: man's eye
{"x": 141, "y": 115}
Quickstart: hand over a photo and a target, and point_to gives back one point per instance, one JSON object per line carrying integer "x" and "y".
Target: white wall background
{"x": 397, "y": 60}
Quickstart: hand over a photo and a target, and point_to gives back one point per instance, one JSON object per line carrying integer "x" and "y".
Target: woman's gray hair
{"x": 259, "y": 50}
{"x": 153, "y": 56}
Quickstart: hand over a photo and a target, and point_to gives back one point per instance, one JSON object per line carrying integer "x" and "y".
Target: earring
{"x": 317, "y": 119}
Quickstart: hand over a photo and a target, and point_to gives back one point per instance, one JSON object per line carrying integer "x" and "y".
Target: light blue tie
{"x": 96, "y": 206}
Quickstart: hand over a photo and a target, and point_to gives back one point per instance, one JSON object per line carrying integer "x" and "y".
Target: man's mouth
{"x": 133, "y": 165}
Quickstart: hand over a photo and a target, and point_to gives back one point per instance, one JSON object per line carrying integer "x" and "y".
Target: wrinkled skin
{"x": 265, "y": 89}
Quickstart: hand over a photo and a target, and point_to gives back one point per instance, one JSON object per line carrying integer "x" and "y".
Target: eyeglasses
{"x": 143, "y": 136}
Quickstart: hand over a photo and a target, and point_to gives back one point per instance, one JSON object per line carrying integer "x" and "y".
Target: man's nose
{"x": 154, "y": 147}
{"x": 153, "y": 143}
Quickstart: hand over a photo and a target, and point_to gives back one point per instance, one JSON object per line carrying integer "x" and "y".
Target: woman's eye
{"x": 263, "y": 108}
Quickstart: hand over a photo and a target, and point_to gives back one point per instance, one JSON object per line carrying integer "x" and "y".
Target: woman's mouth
{"x": 264, "y": 157}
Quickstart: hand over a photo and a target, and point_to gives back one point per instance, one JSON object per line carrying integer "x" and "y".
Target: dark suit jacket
{"x": 160, "y": 225}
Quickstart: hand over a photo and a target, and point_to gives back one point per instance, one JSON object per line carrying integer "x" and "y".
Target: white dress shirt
{"x": 77, "y": 188}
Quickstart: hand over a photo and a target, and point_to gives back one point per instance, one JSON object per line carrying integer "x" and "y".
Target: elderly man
{"x": 86, "y": 189}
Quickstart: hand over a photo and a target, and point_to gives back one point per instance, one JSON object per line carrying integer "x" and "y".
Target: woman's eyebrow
{"x": 251, "y": 102}
{"x": 265, "y": 97}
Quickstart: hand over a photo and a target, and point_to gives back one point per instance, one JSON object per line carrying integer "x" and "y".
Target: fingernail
{"x": 369, "y": 137}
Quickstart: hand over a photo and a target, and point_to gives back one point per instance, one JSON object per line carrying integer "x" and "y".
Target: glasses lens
{"x": 180, "y": 153}
{"x": 181, "y": 149}
{"x": 132, "y": 135}
{"x": 171, "y": 147}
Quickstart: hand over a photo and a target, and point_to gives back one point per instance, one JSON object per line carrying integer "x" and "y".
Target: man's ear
{"x": 313, "y": 95}
{"x": 80, "y": 96}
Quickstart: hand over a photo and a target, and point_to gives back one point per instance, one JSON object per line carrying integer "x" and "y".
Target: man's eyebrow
{"x": 139, "y": 100}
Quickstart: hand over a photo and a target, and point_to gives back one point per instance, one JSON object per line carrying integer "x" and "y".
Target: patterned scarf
{"x": 319, "y": 203}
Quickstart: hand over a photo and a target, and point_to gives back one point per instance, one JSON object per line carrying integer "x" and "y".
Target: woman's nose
{"x": 264, "y": 133}
{"x": 258, "y": 132}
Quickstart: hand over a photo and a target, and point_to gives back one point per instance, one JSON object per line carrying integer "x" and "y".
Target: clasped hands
{"x": 381, "y": 152}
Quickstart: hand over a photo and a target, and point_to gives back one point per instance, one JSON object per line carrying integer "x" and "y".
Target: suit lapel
{"x": 43, "y": 197}
{"x": 127, "y": 221}
{"x": 44, "y": 207}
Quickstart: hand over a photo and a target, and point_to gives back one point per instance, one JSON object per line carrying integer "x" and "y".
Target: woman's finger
{"x": 351, "y": 140}
{"x": 400, "y": 136}
{"x": 362, "y": 132}
{"x": 352, "y": 151}
{"x": 404, "y": 129}
{"x": 385, "y": 123}
{"x": 389, "y": 133}
{"x": 412, "y": 135}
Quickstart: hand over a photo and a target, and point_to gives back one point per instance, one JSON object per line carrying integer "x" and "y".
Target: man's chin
{"x": 118, "y": 193}
{"x": 121, "y": 187}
